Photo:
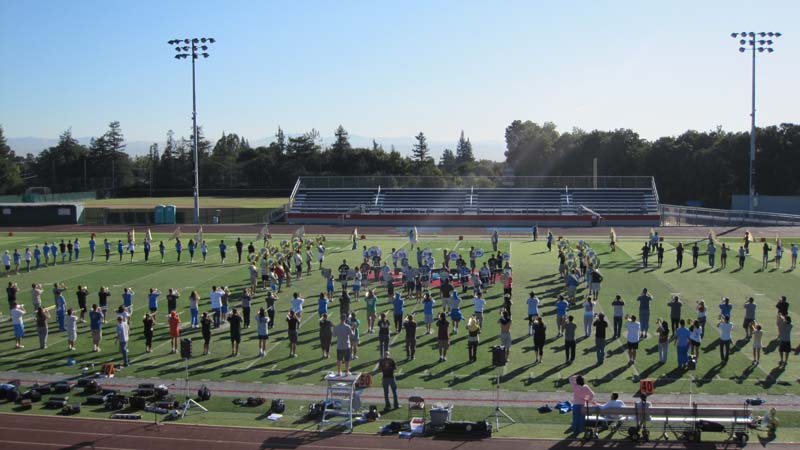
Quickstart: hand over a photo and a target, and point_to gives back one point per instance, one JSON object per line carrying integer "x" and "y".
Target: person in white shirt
{"x": 36, "y": 295}
{"x": 297, "y": 305}
{"x": 479, "y": 304}
{"x": 122, "y": 338}
{"x": 216, "y": 304}
{"x": 633, "y": 329}
{"x": 17, "y": 314}
{"x": 615, "y": 402}
{"x": 7, "y": 262}
{"x": 533, "y": 310}
{"x": 28, "y": 257}
{"x": 725, "y": 327}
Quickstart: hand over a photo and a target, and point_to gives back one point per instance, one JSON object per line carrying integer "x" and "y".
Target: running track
{"x": 29, "y": 432}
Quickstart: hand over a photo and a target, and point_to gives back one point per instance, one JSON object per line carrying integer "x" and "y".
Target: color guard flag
{"x": 199, "y": 236}
{"x": 176, "y": 234}
{"x": 148, "y": 237}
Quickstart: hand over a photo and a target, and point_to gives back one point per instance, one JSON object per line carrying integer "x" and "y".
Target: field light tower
{"x": 755, "y": 42}
{"x": 193, "y": 48}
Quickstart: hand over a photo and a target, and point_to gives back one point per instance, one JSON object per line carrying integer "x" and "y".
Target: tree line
{"x": 703, "y": 166}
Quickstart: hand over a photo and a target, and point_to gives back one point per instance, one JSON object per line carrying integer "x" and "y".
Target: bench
{"x": 686, "y": 423}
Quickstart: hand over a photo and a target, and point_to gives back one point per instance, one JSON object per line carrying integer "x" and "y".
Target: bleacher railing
{"x": 578, "y": 182}
{"x": 676, "y": 215}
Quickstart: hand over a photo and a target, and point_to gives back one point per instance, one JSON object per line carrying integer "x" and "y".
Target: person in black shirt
{"x": 539, "y": 337}
{"x": 384, "y": 328}
{"x": 343, "y": 271}
{"x": 292, "y": 324}
{"x": 148, "y": 323}
{"x": 82, "y": 294}
{"x": 645, "y": 254}
{"x": 600, "y": 326}
{"x": 205, "y": 327}
{"x": 443, "y": 335}
{"x": 660, "y": 253}
{"x": 235, "y": 322}
{"x": 411, "y": 336}
{"x": 388, "y": 367}
{"x": 679, "y": 255}
{"x": 172, "y": 299}
{"x": 271, "y": 308}
{"x": 325, "y": 335}
{"x": 251, "y": 249}
{"x": 695, "y": 254}
{"x": 239, "y": 247}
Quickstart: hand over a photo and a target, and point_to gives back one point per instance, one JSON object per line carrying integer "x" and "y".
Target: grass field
{"x": 188, "y": 202}
{"x": 534, "y": 269}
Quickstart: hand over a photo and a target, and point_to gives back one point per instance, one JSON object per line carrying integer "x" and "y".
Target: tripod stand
{"x": 188, "y": 402}
{"x": 498, "y": 412}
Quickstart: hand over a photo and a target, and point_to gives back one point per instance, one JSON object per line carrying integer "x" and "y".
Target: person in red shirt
{"x": 174, "y": 330}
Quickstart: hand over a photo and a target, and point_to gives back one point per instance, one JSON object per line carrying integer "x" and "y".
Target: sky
{"x": 393, "y": 69}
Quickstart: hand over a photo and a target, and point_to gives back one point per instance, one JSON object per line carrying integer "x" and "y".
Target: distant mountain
{"x": 34, "y": 145}
{"x": 487, "y": 149}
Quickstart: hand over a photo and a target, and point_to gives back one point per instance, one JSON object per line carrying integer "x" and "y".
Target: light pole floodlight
{"x": 756, "y": 46}
{"x": 191, "y": 49}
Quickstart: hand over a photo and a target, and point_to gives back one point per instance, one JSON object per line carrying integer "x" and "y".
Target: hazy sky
{"x": 384, "y": 68}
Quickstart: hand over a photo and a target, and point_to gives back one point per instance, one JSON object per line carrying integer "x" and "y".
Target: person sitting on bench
{"x": 614, "y": 402}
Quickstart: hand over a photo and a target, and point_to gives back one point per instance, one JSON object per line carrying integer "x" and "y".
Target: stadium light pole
{"x": 757, "y": 42}
{"x": 193, "y": 48}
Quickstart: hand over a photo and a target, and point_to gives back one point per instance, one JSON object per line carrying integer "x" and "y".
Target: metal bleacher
{"x": 376, "y": 199}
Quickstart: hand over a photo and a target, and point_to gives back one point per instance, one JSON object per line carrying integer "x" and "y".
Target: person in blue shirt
{"x": 427, "y": 309}
{"x": 191, "y": 245}
{"x": 178, "y": 248}
{"x": 222, "y": 248}
{"x": 46, "y": 254}
{"x": 562, "y": 305}
{"x": 37, "y": 255}
{"x": 107, "y": 247}
{"x": 161, "y": 249}
{"x": 397, "y": 306}
{"x": 146, "y": 248}
{"x": 92, "y": 246}
{"x": 127, "y": 298}
{"x": 455, "y": 311}
{"x": 322, "y": 304}
{"x": 120, "y": 249}
{"x": 61, "y": 309}
{"x": 152, "y": 300}
{"x": 96, "y": 325}
{"x": 17, "y": 260}
{"x": 682, "y": 344}
{"x": 725, "y": 308}
{"x": 54, "y": 251}
{"x": 76, "y": 246}
{"x": 644, "y": 311}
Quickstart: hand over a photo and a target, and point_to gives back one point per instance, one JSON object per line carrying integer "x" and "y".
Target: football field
{"x": 534, "y": 269}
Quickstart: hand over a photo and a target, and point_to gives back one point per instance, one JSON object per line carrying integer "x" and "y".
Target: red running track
{"x": 31, "y": 432}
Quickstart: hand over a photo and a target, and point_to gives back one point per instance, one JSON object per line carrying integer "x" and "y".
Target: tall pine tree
{"x": 420, "y": 151}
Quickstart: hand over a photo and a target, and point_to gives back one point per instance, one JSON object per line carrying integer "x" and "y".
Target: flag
{"x": 778, "y": 241}
{"x": 263, "y": 234}
{"x": 613, "y": 235}
{"x": 300, "y": 232}
{"x": 148, "y": 237}
{"x": 652, "y": 233}
{"x": 355, "y": 233}
{"x": 132, "y": 235}
{"x": 199, "y": 236}
{"x": 176, "y": 234}
{"x": 414, "y": 237}
{"x": 712, "y": 236}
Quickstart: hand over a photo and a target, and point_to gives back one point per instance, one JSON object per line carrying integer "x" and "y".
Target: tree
{"x": 63, "y": 167}
{"x": 342, "y": 142}
{"x": 376, "y": 146}
{"x": 464, "y": 150}
{"x": 10, "y": 176}
{"x": 420, "y": 151}
{"x": 280, "y": 139}
{"x": 448, "y": 160}
{"x": 115, "y": 144}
